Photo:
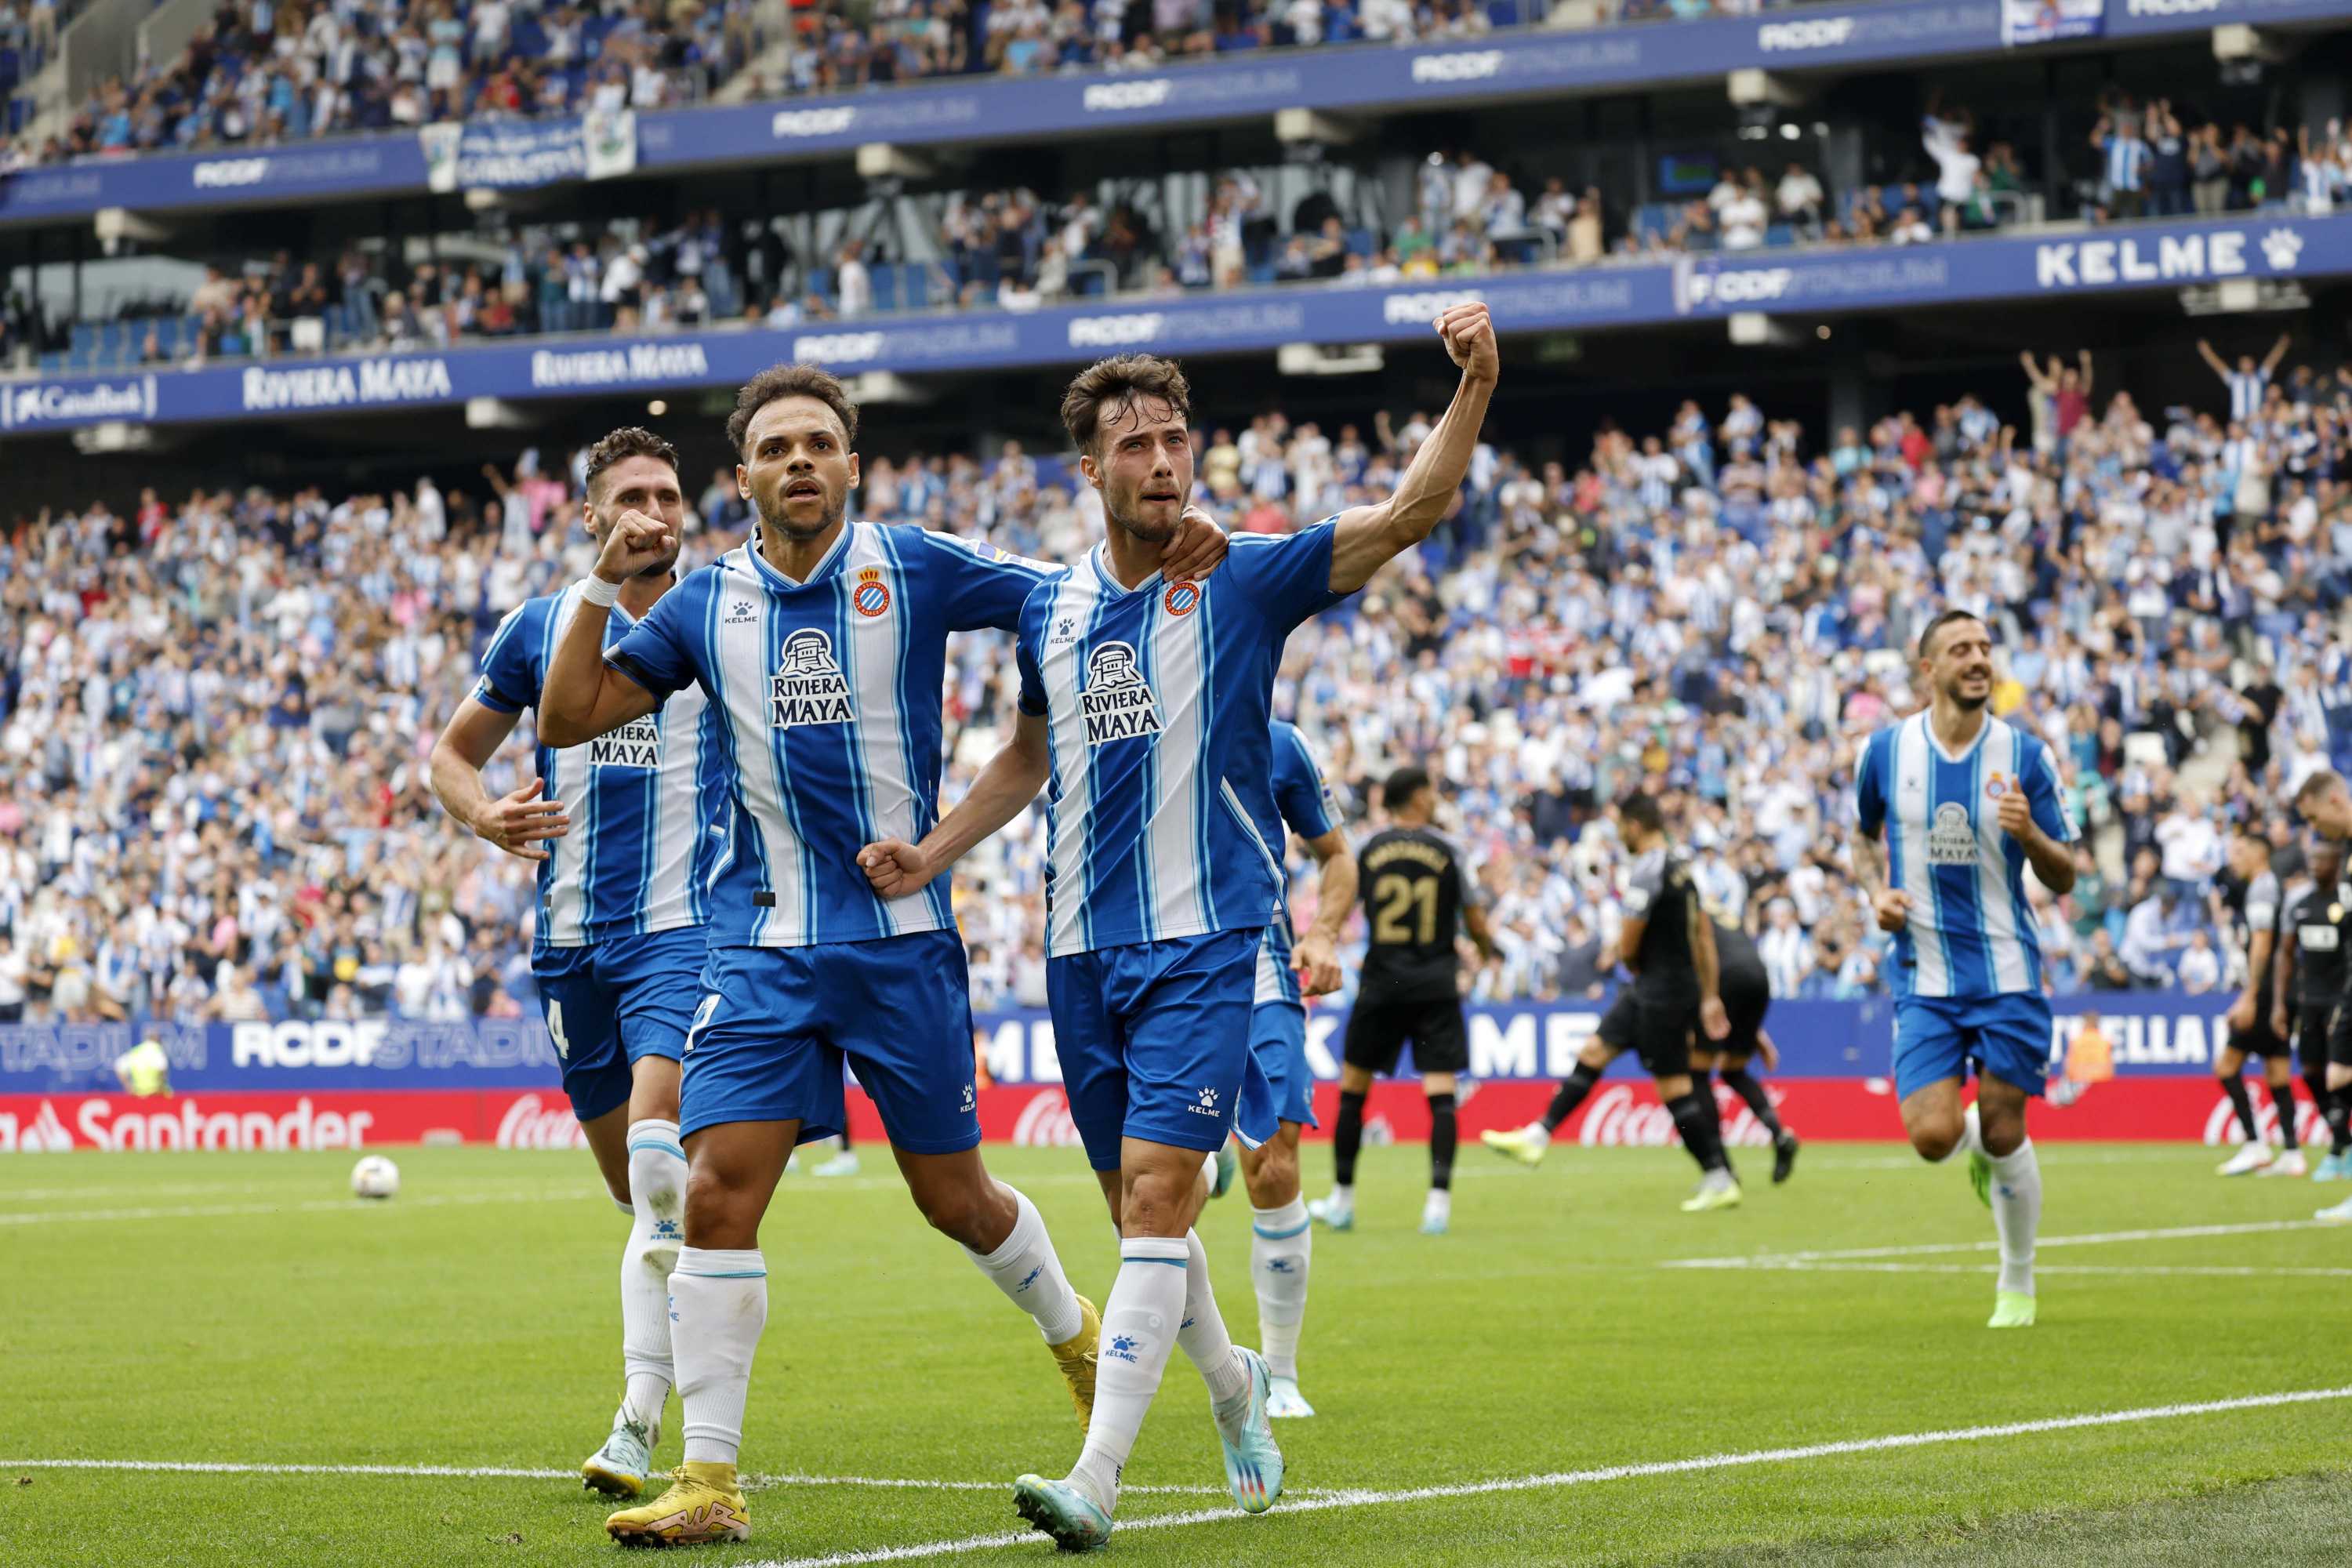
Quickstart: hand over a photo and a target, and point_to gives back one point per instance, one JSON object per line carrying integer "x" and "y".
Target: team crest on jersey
{"x": 871, "y": 597}
{"x": 809, "y": 688}
{"x": 1951, "y": 837}
{"x": 635, "y": 744}
{"x": 1183, "y": 598}
{"x": 1996, "y": 786}
{"x": 1117, "y": 703}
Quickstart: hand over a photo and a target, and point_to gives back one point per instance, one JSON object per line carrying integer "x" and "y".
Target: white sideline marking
{"x": 2096, "y": 1238}
{"x": 1366, "y": 1497}
{"x": 510, "y": 1472}
{"x": 314, "y": 1206}
{"x": 2210, "y": 1270}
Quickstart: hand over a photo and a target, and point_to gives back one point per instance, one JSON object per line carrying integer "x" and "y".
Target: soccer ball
{"x": 374, "y": 1177}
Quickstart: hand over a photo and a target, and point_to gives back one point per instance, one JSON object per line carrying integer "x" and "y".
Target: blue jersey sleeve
{"x": 1287, "y": 577}
{"x": 659, "y": 653}
{"x": 2046, "y": 795}
{"x": 511, "y": 675}
{"x": 1030, "y": 636}
{"x": 1869, "y": 787}
{"x": 978, "y": 585}
{"x": 1299, "y": 791}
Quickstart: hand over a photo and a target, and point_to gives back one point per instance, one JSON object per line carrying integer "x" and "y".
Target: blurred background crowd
{"x": 215, "y": 710}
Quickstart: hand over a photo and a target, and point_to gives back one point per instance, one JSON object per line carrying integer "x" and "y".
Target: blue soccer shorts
{"x": 2006, "y": 1035}
{"x": 775, "y": 1024}
{"x": 611, "y": 1002}
{"x": 1154, "y": 1039}
{"x": 1278, "y": 1041}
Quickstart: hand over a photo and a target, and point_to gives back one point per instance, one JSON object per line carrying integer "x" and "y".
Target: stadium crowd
{"x": 276, "y": 70}
{"x": 215, "y": 712}
{"x": 1018, "y": 249}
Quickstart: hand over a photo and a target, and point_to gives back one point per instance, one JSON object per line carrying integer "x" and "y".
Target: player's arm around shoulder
{"x": 1366, "y": 538}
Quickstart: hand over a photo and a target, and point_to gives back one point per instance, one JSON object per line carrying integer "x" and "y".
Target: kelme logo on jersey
{"x": 809, "y": 688}
{"x": 871, "y": 597}
{"x": 1183, "y": 598}
{"x": 1951, "y": 838}
{"x": 635, "y": 744}
{"x": 1118, "y": 705}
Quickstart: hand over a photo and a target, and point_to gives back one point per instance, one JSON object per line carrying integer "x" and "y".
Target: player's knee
{"x": 1935, "y": 1140}
{"x": 719, "y": 1211}
{"x": 1594, "y": 1056}
{"x": 956, "y": 1212}
{"x": 1273, "y": 1177}
{"x": 1155, "y": 1204}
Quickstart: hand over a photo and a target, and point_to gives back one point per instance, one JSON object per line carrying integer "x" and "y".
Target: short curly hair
{"x": 791, "y": 380}
{"x": 1124, "y": 378}
{"x": 628, "y": 441}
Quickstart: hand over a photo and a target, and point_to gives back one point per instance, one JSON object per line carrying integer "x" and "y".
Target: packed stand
{"x": 214, "y": 715}
{"x": 1015, "y": 250}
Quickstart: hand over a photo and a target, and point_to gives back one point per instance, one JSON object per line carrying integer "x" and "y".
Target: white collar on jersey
{"x": 761, "y": 565}
{"x": 1927, "y": 728}
{"x": 1100, "y": 556}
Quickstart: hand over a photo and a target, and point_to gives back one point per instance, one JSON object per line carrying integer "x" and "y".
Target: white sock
{"x": 1282, "y": 1244}
{"x": 1024, "y": 1268}
{"x": 1147, "y": 1303}
{"x": 657, "y": 1210}
{"x": 721, "y": 1299}
{"x": 1439, "y": 1205}
{"x": 2017, "y": 1214}
{"x": 1204, "y": 1338}
{"x": 1344, "y": 1196}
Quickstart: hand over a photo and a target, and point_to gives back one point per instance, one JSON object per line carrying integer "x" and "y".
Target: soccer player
{"x": 2326, "y": 804}
{"x": 1417, "y": 899}
{"x": 1965, "y": 803}
{"x": 1669, "y": 944}
{"x": 1281, "y": 1236}
{"x": 622, "y": 920}
{"x": 2308, "y": 984}
{"x": 1747, "y": 997}
{"x": 2256, "y": 906}
{"x": 820, "y": 645}
{"x": 1144, "y": 710}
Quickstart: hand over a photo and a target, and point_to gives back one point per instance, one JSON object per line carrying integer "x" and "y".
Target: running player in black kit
{"x": 2308, "y": 979}
{"x": 1416, "y": 900}
{"x": 1669, "y": 944}
{"x": 1746, "y": 997}
{"x": 2255, "y": 905}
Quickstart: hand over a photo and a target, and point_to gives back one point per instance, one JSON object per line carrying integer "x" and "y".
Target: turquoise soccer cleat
{"x": 1229, "y": 1166}
{"x": 1253, "y": 1462}
{"x": 1062, "y": 1512}
{"x": 619, "y": 1469}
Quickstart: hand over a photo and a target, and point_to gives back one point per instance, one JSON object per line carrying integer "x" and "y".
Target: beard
{"x": 1962, "y": 699}
{"x": 778, "y": 519}
{"x": 1127, "y": 518}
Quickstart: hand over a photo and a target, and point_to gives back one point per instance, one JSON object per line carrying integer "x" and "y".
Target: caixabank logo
{"x": 62, "y": 405}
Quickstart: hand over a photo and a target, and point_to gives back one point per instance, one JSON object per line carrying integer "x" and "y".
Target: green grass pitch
{"x": 242, "y": 1311}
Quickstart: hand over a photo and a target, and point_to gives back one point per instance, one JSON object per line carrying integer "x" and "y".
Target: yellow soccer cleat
{"x": 704, "y": 1503}
{"x": 1526, "y": 1144}
{"x": 1076, "y": 1356}
{"x": 1713, "y": 1193}
{"x": 2012, "y": 1309}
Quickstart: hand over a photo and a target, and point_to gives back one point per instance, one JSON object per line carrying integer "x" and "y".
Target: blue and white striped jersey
{"x": 830, "y": 694}
{"x": 1304, "y": 804}
{"x": 1156, "y": 698}
{"x": 642, "y": 799}
{"x": 1972, "y": 932}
